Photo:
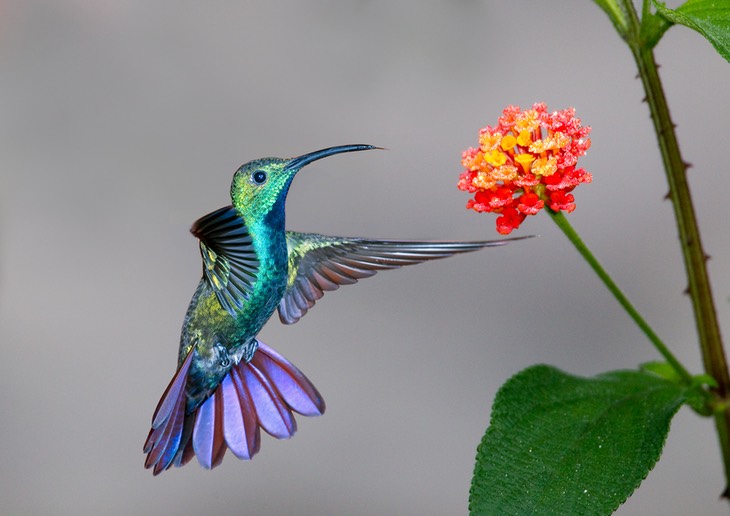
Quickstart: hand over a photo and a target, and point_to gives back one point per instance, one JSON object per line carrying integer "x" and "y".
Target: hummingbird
{"x": 229, "y": 385}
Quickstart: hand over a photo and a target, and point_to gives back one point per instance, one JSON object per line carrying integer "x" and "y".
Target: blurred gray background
{"x": 123, "y": 122}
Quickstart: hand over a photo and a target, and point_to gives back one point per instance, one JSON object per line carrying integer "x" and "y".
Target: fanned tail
{"x": 259, "y": 394}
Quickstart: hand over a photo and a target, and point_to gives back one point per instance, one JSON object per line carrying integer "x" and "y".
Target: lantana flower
{"x": 527, "y": 161}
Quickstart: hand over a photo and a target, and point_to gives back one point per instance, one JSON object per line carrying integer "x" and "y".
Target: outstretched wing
{"x": 319, "y": 263}
{"x": 230, "y": 264}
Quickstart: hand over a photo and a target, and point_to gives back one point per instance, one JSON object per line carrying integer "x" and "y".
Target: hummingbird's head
{"x": 259, "y": 184}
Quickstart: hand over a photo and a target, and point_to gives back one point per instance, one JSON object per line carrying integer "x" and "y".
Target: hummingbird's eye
{"x": 258, "y": 177}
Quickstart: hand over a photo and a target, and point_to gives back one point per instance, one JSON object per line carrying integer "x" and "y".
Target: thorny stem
{"x": 713, "y": 353}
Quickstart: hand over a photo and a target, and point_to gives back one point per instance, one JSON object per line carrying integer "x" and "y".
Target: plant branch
{"x": 575, "y": 239}
{"x": 713, "y": 353}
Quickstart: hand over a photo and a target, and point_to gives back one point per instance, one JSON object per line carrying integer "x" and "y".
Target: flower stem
{"x": 713, "y": 353}
{"x": 575, "y": 239}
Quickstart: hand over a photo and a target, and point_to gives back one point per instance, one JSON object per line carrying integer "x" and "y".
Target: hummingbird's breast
{"x": 221, "y": 340}
{"x": 271, "y": 278}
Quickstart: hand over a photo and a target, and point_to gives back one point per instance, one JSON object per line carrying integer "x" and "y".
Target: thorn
{"x": 668, "y": 195}
{"x": 707, "y": 257}
{"x": 643, "y": 99}
{"x": 726, "y": 493}
{"x": 687, "y": 165}
{"x": 637, "y": 76}
{"x": 665, "y": 130}
{"x": 686, "y": 291}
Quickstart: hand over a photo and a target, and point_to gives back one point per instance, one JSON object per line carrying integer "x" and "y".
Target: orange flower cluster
{"x": 528, "y": 160}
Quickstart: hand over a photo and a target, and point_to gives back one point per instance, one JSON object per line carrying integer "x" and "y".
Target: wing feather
{"x": 230, "y": 264}
{"x": 319, "y": 264}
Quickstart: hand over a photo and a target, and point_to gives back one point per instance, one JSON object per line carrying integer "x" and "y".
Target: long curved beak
{"x": 306, "y": 159}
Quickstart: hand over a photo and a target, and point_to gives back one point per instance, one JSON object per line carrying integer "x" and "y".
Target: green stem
{"x": 575, "y": 239}
{"x": 713, "y": 352}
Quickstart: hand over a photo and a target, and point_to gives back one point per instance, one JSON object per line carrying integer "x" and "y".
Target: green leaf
{"x": 662, "y": 369}
{"x": 711, "y": 18}
{"x": 704, "y": 379}
{"x": 562, "y": 444}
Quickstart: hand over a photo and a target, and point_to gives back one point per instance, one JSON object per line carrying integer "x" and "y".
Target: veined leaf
{"x": 562, "y": 444}
{"x": 711, "y": 18}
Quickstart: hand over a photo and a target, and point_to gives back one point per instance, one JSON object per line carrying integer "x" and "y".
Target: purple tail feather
{"x": 259, "y": 394}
